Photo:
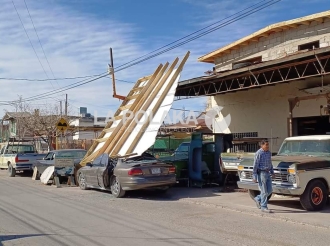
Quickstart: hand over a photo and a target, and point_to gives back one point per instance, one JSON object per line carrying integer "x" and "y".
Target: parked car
{"x": 18, "y": 156}
{"x": 121, "y": 175}
{"x": 49, "y": 160}
{"x": 301, "y": 169}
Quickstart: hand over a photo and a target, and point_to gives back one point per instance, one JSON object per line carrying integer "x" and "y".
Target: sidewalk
{"x": 284, "y": 208}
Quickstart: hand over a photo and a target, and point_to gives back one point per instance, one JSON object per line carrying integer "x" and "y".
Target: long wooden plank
{"x": 133, "y": 124}
{"x": 100, "y": 140}
{"x": 117, "y": 115}
{"x": 114, "y": 136}
{"x": 107, "y": 130}
{"x": 125, "y": 107}
{"x": 129, "y": 124}
{"x": 158, "y": 104}
{"x": 133, "y": 97}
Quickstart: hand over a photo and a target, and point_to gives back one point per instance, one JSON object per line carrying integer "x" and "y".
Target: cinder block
{"x": 322, "y": 45}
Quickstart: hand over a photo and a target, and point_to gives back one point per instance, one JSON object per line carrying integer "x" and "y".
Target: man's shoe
{"x": 257, "y": 203}
{"x": 266, "y": 210}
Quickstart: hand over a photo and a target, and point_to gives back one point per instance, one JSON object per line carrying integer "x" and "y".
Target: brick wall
{"x": 278, "y": 45}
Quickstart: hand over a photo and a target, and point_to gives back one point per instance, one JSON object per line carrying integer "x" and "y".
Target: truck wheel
{"x": 11, "y": 170}
{"x": 116, "y": 189}
{"x": 315, "y": 196}
{"x": 254, "y": 193}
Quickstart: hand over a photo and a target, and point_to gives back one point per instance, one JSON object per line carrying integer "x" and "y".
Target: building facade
{"x": 273, "y": 83}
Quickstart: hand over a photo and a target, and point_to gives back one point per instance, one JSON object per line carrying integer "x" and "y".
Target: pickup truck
{"x": 302, "y": 169}
{"x": 49, "y": 160}
{"x": 17, "y": 156}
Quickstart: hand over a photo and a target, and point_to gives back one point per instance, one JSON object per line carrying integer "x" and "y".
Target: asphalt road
{"x": 36, "y": 214}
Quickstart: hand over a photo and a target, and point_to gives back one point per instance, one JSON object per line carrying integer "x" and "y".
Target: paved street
{"x": 35, "y": 214}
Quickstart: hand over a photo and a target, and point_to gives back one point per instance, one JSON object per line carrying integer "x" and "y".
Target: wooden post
{"x": 113, "y": 78}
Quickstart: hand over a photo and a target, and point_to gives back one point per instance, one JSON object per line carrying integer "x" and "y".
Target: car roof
{"x": 312, "y": 137}
{"x": 65, "y": 150}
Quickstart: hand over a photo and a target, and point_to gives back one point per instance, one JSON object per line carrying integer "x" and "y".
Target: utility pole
{"x": 66, "y": 104}
{"x": 61, "y": 108}
{"x": 112, "y": 71}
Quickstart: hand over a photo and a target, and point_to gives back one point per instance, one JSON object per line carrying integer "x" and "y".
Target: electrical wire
{"x": 203, "y": 34}
{"x": 66, "y": 78}
{"x": 42, "y": 48}
{"x": 191, "y": 34}
{"x": 241, "y": 16}
{"x": 31, "y": 42}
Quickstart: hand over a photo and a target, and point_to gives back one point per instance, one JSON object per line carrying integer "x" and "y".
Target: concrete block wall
{"x": 278, "y": 45}
{"x": 266, "y": 110}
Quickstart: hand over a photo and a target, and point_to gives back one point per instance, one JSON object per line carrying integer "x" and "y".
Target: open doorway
{"x": 315, "y": 125}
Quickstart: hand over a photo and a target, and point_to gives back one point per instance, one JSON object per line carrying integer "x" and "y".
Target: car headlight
{"x": 243, "y": 175}
{"x": 292, "y": 178}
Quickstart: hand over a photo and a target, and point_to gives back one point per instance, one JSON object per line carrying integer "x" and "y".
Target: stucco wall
{"x": 266, "y": 110}
{"x": 278, "y": 45}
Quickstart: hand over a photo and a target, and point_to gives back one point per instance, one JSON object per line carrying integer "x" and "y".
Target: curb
{"x": 268, "y": 216}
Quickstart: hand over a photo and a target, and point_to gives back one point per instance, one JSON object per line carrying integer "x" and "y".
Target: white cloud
{"x": 78, "y": 44}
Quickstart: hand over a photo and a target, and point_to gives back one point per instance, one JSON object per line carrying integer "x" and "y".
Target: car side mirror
{"x": 89, "y": 164}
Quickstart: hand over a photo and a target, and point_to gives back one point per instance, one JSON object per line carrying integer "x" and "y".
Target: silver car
{"x": 119, "y": 176}
{"x": 49, "y": 160}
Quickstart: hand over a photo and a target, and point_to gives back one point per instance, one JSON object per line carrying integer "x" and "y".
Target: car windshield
{"x": 76, "y": 154}
{"x": 183, "y": 148}
{"x": 305, "y": 147}
{"x": 21, "y": 149}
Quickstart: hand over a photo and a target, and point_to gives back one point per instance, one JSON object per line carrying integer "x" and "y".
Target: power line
{"x": 31, "y": 42}
{"x": 186, "y": 110}
{"x": 40, "y": 80}
{"x": 241, "y": 16}
{"x": 40, "y": 41}
{"x": 66, "y": 78}
{"x": 269, "y": 3}
{"x": 192, "y": 34}
{"x": 65, "y": 88}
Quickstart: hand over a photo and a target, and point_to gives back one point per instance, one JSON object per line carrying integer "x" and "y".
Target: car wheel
{"x": 254, "y": 193}
{"x": 116, "y": 189}
{"x": 82, "y": 181}
{"x": 315, "y": 196}
{"x": 11, "y": 170}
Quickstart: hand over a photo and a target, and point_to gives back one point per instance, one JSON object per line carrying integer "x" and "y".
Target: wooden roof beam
{"x": 307, "y": 23}
{"x": 321, "y": 20}
{"x": 264, "y": 35}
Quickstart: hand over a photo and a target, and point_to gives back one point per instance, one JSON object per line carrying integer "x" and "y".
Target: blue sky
{"x": 76, "y": 36}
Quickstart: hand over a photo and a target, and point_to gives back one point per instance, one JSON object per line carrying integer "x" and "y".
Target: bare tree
{"x": 38, "y": 122}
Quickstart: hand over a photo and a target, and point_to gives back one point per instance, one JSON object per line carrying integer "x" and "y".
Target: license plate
{"x": 155, "y": 171}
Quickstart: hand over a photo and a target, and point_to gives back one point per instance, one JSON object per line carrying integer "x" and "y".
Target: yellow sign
{"x": 62, "y": 125}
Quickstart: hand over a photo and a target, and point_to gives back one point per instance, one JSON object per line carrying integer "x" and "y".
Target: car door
{"x": 2, "y": 151}
{"x": 101, "y": 175}
{"x": 91, "y": 172}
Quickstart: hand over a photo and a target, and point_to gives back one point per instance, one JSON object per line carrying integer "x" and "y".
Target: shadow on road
{"x": 293, "y": 206}
{"x": 4, "y": 238}
{"x": 175, "y": 193}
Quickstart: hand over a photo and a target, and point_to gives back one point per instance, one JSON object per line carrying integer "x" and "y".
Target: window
{"x": 309, "y": 46}
{"x": 49, "y": 156}
{"x": 74, "y": 154}
{"x": 247, "y": 62}
{"x": 97, "y": 161}
{"x": 23, "y": 149}
{"x": 2, "y": 150}
{"x": 305, "y": 147}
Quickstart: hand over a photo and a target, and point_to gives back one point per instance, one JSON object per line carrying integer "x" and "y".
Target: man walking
{"x": 262, "y": 174}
